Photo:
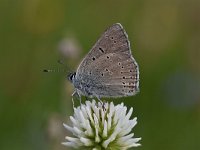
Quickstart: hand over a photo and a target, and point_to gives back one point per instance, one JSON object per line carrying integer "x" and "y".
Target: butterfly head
{"x": 71, "y": 76}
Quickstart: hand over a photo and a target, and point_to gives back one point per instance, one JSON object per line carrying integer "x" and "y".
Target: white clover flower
{"x": 97, "y": 127}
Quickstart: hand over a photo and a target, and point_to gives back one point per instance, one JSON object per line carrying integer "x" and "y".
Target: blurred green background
{"x": 165, "y": 41}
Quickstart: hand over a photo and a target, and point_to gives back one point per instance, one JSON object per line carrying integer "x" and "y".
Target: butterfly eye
{"x": 71, "y": 76}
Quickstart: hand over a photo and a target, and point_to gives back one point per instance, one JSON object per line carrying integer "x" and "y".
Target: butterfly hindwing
{"x": 117, "y": 76}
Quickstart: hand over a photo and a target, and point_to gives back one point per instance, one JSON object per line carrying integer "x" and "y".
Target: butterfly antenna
{"x": 55, "y": 70}
{"x": 66, "y": 70}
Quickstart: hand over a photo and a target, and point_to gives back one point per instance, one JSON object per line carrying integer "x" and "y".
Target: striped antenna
{"x": 55, "y": 70}
{"x": 66, "y": 70}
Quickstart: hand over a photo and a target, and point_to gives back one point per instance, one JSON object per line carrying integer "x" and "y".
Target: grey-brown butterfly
{"x": 109, "y": 69}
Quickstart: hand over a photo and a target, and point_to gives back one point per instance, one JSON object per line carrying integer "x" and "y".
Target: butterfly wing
{"x": 109, "y": 70}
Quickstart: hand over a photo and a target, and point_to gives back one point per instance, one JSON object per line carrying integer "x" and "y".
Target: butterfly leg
{"x": 99, "y": 99}
{"x": 80, "y": 99}
{"x": 102, "y": 103}
{"x": 73, "y": 94}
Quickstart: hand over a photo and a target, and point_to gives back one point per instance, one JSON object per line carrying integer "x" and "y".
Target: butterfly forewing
{"x": 109, "y": 67}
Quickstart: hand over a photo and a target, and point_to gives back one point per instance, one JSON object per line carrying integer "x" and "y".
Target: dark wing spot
{"x": 93, "y": 58}
{"x": 123, "y": 82}
{"x": 112, "y": 37}
{"x": 115, "y": 41}
{"x": 102, "y": 74}
{"x": 122, "y": 66}
{"x": 119, "y": 63}
{"x": 108, "y": 57}
{"x": 101, "y": 49}
{"x": 106, "y": 69}
{"x": 123, "y": 77}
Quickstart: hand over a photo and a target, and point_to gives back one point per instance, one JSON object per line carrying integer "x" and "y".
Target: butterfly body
{"x": 109, "y": 69}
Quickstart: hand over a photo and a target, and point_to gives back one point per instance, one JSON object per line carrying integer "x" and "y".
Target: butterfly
{"x": 109, "y": 69}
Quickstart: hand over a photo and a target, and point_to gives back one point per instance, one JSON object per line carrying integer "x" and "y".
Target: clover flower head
{"x": 99, "y": 126}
